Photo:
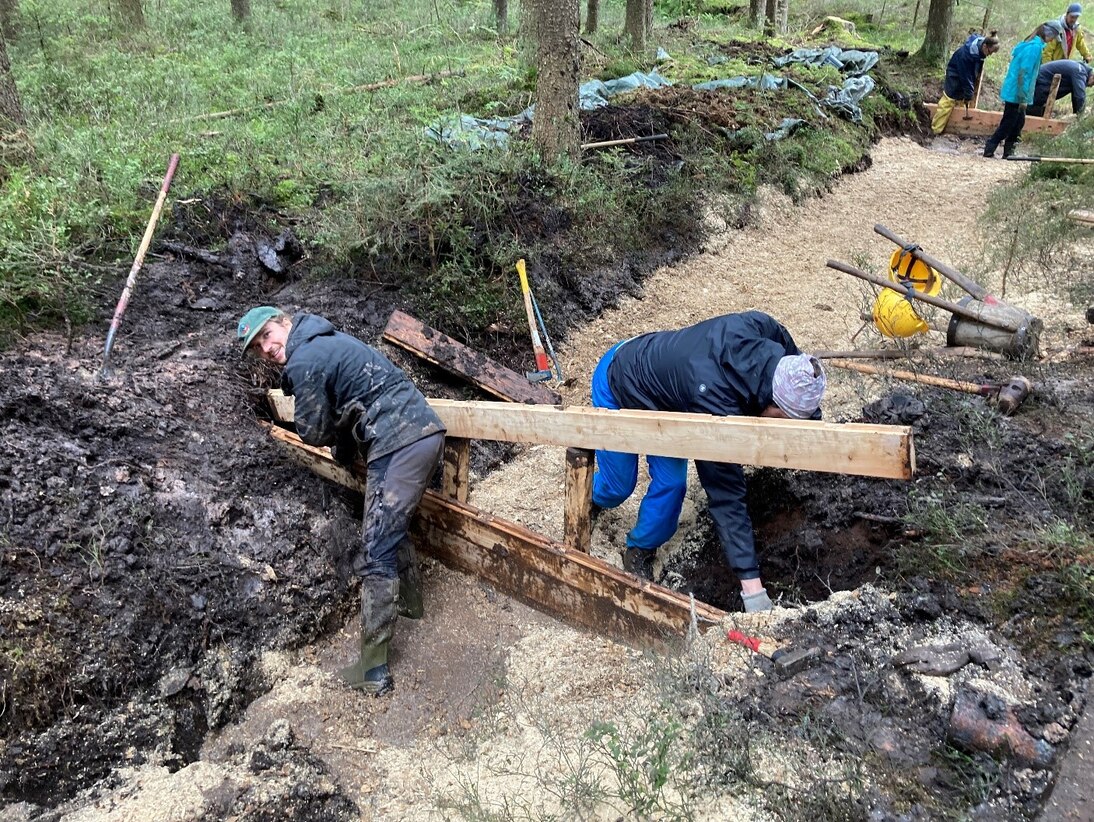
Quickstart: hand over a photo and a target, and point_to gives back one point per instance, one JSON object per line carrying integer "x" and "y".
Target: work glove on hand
{"x": 345, "y": 449}
{"x": 1022, "y": 107}
{"x": 758, "y": 601}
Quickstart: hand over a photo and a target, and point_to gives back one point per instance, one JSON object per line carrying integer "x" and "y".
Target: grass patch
{"x": 107, "y": 106}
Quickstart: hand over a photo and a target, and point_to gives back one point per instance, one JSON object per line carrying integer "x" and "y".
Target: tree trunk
{"x": 501, "y": 17}
{"x": 9, "y": 15}
{"x": 11, "y": 110}
{"x": 775, "y": 16}
{"x": 556, "y": 127}
{"x": 637, "y": 23}
{"x": 132, "y": 13}
{"x": 936, "y": 43}
{"x": 592, "y": 16}
{"x": 756, "y": 13}
{"x": 241, "y": 10}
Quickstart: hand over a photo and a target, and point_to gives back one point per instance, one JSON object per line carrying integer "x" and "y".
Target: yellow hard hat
{"x": 905, "y": 268}
{"x": 895, "y": 317}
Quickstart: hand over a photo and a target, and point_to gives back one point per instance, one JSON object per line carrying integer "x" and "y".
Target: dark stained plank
{"x": 453, "y": 356}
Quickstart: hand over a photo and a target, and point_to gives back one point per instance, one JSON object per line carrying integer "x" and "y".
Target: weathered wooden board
{"x": 455, "y": 357}
{"x": 574, "y": 586}
{"x": 852, "y": 448}
{"x": 984, "y": 123}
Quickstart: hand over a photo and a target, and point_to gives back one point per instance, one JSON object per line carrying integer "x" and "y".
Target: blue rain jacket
{"x": 1025, "y": 60}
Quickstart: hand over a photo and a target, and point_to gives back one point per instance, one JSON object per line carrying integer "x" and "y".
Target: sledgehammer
{"x": 1006, "y": 396}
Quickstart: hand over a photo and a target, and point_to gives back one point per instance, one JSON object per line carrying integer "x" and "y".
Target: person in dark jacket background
{"x": 351, "y": 397}
{"x": 962, "y": 73}
{"x": 734, "y": 365}
{"x": 1075, "y": 79}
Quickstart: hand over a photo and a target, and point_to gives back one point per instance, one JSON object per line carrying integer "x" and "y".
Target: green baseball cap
{"x": 251, "y": 323}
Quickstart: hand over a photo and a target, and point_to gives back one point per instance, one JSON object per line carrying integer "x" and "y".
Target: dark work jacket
{"x": 1072, "y": 81}
{"x": 721, "y": 366}
{"x": 964, "y": 67}
{"x": 346, "y": 389}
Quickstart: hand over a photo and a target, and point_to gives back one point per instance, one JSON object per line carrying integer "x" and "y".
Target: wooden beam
{"x": 848, "y": 448}
{"x": 456, "y": 358}
{"x": 852, "y": 448}
{"x": 1050, "y": 101}
{"x": 577, "y": 512}
{"x": 1078, "y": 215}
{"x": 457, "y": 464}
{"x": 576, "y": 587}
{"x": 984, "y": 123}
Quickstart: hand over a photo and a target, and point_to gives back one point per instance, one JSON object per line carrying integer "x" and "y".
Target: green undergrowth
{"x": 107, "y": 106}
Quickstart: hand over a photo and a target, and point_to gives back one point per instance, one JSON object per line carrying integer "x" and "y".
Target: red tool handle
{"x": 749, "y": 642}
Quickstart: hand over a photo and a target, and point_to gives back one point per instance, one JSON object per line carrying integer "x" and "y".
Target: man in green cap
{"x": 351, "y": 397}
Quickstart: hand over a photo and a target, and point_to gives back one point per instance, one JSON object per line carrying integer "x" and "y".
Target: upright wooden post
{"x": 1050, "y": 103}
{"x": 457, "y": 463}
{"x": 577, "y": 519}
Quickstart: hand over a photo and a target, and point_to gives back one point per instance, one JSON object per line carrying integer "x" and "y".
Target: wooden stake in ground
{"x": 131, "y": 281}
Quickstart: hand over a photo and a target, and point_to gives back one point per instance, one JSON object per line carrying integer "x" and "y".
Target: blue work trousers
{"x": 617, "y": 474}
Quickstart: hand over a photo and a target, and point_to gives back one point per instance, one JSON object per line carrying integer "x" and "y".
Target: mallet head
{"x": 1012, "y": 394}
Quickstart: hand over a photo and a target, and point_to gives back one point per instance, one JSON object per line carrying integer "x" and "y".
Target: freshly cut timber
{"x": 453, "y": 356}
{"x": 572, "y": 585}
{"x": 852, "y": 448}
{"x": 982, "y": 123}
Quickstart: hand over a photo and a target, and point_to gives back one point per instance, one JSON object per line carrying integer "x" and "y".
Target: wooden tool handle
{"x": 911, "y": 376}
{"x": 969, "y": 285}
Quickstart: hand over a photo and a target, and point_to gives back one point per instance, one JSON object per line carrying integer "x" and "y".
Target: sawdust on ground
{"x": 494, "y": 700}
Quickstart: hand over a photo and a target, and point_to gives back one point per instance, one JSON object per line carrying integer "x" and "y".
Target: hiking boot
{"x": 989, "y": 149}
{"x": 370, "y": 673}
{"x": 639, "y": 561}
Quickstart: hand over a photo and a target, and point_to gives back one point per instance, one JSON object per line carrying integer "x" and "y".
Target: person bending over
{"x": 351, "y": 397}
{"x": 734, "y": 365}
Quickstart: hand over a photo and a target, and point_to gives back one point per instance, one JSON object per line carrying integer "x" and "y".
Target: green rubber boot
{"x": 371, "y": 673}
{"x": 411, "y": 604}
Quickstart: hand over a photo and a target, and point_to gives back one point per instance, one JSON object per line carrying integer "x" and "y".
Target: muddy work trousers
{"x": 394, "y": 486}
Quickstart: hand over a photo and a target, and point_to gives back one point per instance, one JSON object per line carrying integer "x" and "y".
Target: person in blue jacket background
{"x": 1075, "y": 79}
{"x": 734, "y": 365}
{"x": 1018, "y": 86}
{"x": 351, "y": 397}
{"x": 962, "y": 72}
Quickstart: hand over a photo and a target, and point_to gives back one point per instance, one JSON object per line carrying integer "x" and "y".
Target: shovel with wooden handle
{"x": 131, "y": 281}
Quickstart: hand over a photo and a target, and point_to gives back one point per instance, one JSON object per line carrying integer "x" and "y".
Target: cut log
{"x": 1078, "y": 215}
{"x": 571, "y": 585}
{"x": 984, "y": 123}
{"x": 456, "y": 358}
{"x": 850, "y": 448}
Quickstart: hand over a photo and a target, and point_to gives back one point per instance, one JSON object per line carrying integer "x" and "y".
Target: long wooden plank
{"x": 453, "y": 356}
{"x": 983, "y": 123}
{"x": 569, "y": 584}
{"x": 851, "y": 448}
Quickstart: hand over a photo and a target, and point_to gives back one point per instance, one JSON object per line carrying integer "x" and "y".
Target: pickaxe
{"x": 1005, "y": 396}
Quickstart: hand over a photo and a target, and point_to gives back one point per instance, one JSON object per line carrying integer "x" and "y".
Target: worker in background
{"x": 1075, "y": 79}
{"x": 962, "y": 74}
{"x": 351, "y": 397}
{"x": 730, "y": 366}
{"x": 1068, "y": 44}
{"x": 1017, "y": 91}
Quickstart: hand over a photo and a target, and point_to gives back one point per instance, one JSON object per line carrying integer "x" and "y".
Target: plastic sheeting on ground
{"x": 477, "y": 132}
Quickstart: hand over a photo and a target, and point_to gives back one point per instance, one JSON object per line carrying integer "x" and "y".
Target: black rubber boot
{"x": 411, "y": 604}
{"x": 639, "y": 562}
{"x": 370, "y": 673}
{"x": 989, "y": 148}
